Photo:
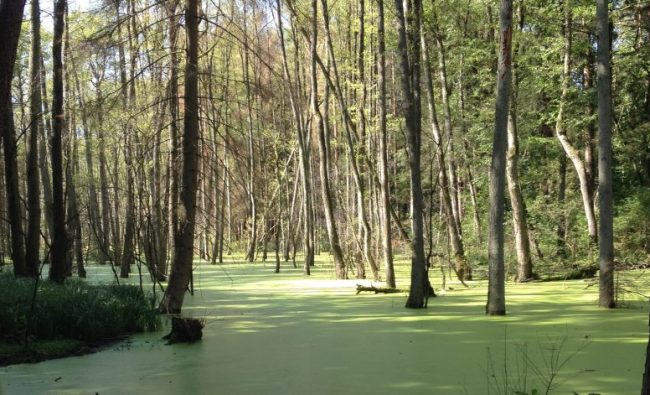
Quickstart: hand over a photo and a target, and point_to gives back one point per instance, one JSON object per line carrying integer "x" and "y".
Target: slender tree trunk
{"x": 93, "y": 201}
{"x": 451, "y": 163}
{"x": 174, "y": 141}
{"x": 384, "y": 204}
{"x": 561, "y": 251}
{"x": 250, "y": 190}
{"x": 319, "y": 124}
{"x": 181, "y": 271}
{"x": 519, "y": 221}
{"x": 462, "y": 268}
{"x": 59, "y": 239}
{"x": 496, "y": 304}
{"x": 32, "y": 248}
{"x": 46, "y": 130}
{"x": 106, "y": 214}
{"x": 572, "y": 153}
{"x": 607, "y": 297}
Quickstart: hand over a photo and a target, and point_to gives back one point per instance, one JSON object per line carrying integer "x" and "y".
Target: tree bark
{"x": 572, "y": 153}
{"x": 384, "y": 203}
{"x": 250, "y": 190}
{"x": 606, "y": 297}
{"x": 496, "y": 304}
{"x": 462, "y": 268}
{"x": 32, "y": 245}
{"x": 319, "y": 124}
{"x": 181, "y": 271}
{"x": 519, "y": 220}
{"x": 46, "y": 130}
{"x": 11, "y": 16}
{"x": 408, "y": 24}
{"x": 59, "y": 239}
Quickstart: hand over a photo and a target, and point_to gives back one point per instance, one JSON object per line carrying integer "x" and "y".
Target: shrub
{"x": 74, "y": 310}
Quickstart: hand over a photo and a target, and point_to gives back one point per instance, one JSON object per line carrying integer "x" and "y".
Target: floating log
{"x": 380, "y": 290}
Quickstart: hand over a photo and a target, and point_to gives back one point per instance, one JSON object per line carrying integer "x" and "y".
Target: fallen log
{"x": 377, "y": 290}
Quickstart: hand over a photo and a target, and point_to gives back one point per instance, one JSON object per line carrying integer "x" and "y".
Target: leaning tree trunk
{"x": 606, "y": 205}
{"x": 572, "y": 153}
{"x": 184, "y": 240}
{"x": 496, "y": 303}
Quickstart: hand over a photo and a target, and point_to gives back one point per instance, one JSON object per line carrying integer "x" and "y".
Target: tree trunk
{"x": 181, "y": 271}
{"x": 519, "y": 221}
{"x": 384, "y": 203}
{"x": 607, "y": 297}
{"x": 451, "y": 163}
{"x": 32, "y": 248}
{"x": 572, "y": 153}
{"x": 250, "y": 190}
{"x": 462, "y": 268}
{"x": 93, "y": 201}
{"x": 408, "y": 24}
{"x": 59, "y": 239}
{"x": 561, "y": 251}
{"x": 496, "y": 304}
{"x": 319, "y": 124}
{"x": 11, "y": 16}
{"x": 46, "y": 130}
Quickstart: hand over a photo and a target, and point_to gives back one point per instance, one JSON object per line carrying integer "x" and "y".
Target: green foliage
{"x": 632, "y": 226}
{"x": 75, "y": 310}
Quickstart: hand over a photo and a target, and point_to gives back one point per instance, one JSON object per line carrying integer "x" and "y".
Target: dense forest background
{"x": 300, "y": 143}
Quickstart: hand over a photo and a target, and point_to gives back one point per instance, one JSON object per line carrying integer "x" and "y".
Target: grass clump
{"x": 76, "y": 311}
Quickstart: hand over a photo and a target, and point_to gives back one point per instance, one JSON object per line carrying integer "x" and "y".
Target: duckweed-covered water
{"x": 289, "y": 334}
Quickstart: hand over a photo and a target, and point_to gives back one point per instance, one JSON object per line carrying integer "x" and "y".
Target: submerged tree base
{"x": 184, "y": 330}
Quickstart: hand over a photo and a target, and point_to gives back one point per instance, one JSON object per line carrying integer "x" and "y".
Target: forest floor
{"x": 285, "y": 333}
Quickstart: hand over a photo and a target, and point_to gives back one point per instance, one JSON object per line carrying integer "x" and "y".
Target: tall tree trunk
{"x": 384, "y": 204}
{"x": 496, "y": 303}
{"x": 130, "y": 135}
{"x": 11, "y": 16}
{"x": 519, "y": 221}
{"x": 561, "y": 251}
{"x": 250, "y": 189}
{"x": 408, "y": 24}
{"x": 174, "y": 139}
{"x": 462, "y": 268}
{"x": 572, "y": 153}
{"x": 181, "y": 271}
{"x": 59, "y": 239}
{"x": 93, "y": 201}
{"x": 32, "y": 248}
{"x": 319, "y": 124}
{"x": 451, "y": 163}
{"x": 46, "y": 131}
{"x": 106, "y": 214}
{"x": 605, "y": 188}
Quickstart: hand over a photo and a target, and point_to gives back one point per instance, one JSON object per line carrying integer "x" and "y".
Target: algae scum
{"x": 288, "y": 334}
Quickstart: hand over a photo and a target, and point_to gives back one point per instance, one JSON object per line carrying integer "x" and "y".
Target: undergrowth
{"x": 74, "y": 310}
